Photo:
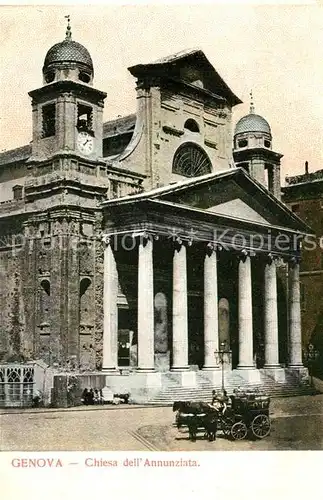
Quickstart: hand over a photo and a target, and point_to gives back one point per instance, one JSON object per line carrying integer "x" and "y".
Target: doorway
{"x": 125, "y": 337}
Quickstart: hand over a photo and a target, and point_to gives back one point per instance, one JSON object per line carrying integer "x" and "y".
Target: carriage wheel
{"x": 239, "y": 431}
{"x": 260, "y": 426}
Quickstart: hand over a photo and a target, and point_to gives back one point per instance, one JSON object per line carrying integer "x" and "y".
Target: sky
{"x": 275, "y": 50}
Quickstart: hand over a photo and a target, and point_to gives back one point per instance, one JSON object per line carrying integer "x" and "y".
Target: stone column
{"x": 245, "y": 313}
{"x": 110, "y": 309}
{"x": 180, "y": 327}
{"x": 271, "y": 315}
{"x": 295, "y": 337}
{"x": 145, "y": 304}
{"x": 211, "y": 324}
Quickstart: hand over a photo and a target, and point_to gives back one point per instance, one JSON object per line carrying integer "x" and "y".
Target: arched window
{"x": 191, "y": 125}
{"x": 45, "y": 284}
{"x": 44, "y": 299}
{"x": 85, "y": 299}
{"x": 84, "y": 285}
{"x": 191, "y": 161}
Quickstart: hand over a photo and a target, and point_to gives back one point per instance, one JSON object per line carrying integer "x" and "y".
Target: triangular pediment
{"x": 190, "y": 66}
{"x": 235, "y": 195}
{"x": 230, "y": 194}
{"x": 238, "y": 208}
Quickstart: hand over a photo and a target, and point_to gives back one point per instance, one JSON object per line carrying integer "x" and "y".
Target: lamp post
{"x": 219, "y": 356}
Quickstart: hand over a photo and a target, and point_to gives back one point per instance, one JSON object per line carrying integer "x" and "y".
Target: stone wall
{"x": 160, "y": 130}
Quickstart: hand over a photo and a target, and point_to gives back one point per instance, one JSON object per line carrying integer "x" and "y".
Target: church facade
{"x": 149, "y": 246}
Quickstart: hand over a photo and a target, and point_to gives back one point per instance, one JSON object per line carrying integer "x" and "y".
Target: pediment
{"x": 235, "y": 195}
{"x": 239, "y": 209}
{"x": 191, "y": 66}
{"x": 232, "y": 194}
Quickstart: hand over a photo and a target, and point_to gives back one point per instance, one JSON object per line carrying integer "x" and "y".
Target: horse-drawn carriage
{"x": 245, "y": 413}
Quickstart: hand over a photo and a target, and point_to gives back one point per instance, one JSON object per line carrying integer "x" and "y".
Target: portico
{"x": 184, "y": 252}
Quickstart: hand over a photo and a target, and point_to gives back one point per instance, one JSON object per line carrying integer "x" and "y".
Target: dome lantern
{"x": 68, "y": 60}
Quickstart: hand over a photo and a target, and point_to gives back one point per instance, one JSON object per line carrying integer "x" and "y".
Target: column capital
{"x": 293, "y": 261}
{"x": 270, "y": 258}
{"x": 144, "y": 236}
{"x": 213, "y": 247}
{"x": 106, "y": 239}
{"x": 244, "y": 254}
{"x": 179, "y": 243}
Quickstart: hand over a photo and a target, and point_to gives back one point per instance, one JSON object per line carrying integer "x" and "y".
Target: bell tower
{"x": 252, "y": 150}
{"x": 67, "y": 181}
{"x": 67, "y": 109}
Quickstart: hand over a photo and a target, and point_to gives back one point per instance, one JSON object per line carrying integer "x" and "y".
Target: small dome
{"x": 68, "y": 51}
{"x": 252, "y": 123}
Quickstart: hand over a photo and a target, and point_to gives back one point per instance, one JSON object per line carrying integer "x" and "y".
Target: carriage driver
{"x": 220, "y": 401}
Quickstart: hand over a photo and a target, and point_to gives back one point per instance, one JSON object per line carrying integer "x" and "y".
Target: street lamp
{"x": 219, "y": 356}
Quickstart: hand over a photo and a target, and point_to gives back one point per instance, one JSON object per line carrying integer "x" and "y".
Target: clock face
{"x": 85, "y": 143}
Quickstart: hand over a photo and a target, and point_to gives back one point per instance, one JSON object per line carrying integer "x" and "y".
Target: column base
{"x": 214, "y": 376}
{"x": 185, "y": 377}
{"x": 250, "y": 374}
{"x": 299, "y": 372}
{"x": 145, "y": 370}
{"x": 210, "y": 368}
{"x": 110, "y": 371}
{"x": 276, "y": 372}
{"x": 148, "y": 379}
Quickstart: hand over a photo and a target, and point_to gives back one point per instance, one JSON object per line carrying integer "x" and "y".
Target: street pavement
{"x": 297, "y": 424}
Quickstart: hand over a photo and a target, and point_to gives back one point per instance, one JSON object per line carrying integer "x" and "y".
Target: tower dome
{"x": 252, "y": 131}
{"x": 68, "y": 60}
{"x": 68, "y": 51}
{"x": 252, "y": 123}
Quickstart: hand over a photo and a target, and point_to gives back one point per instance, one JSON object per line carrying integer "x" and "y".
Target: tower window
{"x": 84, "y": 77}
{"x": 243, "y": 143}
{"x": 267, "y": 144}
{"x": 49, "y": 77}
{"x": 84, "y": 117}
{"x": 45, "y": 284}
{"x": 17, "y": 192}
{"x": 49, "y": 120}
{"x": 191, "y": 125}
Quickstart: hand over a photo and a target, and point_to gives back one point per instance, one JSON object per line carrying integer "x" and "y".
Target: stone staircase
{"x": 172, "y": 391}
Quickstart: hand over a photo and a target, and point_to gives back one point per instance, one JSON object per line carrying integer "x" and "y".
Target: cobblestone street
{"x": 297, "y": 424}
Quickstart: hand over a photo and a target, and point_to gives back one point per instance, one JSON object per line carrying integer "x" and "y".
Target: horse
{"x": 197, "y": 414}
{"x": 190, "y": 406}
{"x": 207, "y": 421}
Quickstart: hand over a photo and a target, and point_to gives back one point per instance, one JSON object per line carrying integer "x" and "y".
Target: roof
{"x": 306, "y": 178}
{"x": 170, "y": 188}
{"x": 173, "y": 66}
{"x": 252, "y": 123}
{"x": 120, "y": 125}
{"x": 68, "y": 51}
{"x": 15, "y": 155}
{"x": 239, "y": 174}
